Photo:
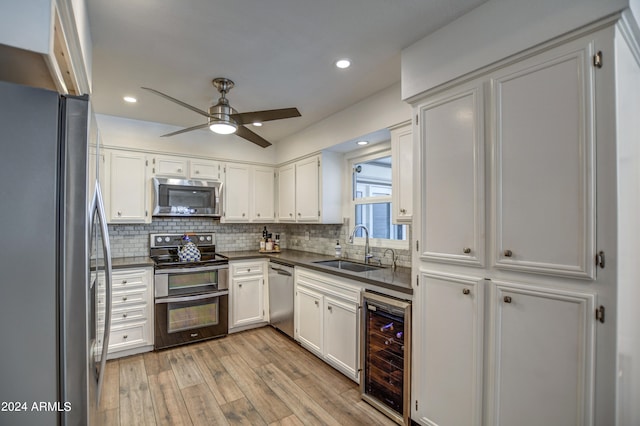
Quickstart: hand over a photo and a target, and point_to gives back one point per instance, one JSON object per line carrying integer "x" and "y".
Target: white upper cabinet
{"x": 402, "y": 171}
{"x": 542, "y": 120}
{"x": 127, "y": 195}
{"x": 310, "y": 190}
{"x": 249, "y": 193}
{"x": 170, "y": 166}
{"x": 307, "y": 186}
{"x": 452, "y": 137}
{"x": 237, "y": 191}
{"x": 204, "y": 169}
{"x": 263, "y": 194}
{"x": 287, "y": 193}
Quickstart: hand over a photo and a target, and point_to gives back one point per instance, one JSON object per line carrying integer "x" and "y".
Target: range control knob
{"x": 159, "y": 239}
{"x": 209, "y": 238}
{"x": 201, "y": 238}
{"x": 167, "y": 239}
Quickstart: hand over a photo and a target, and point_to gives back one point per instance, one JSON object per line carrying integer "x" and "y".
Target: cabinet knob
{"x": 507, "y": 299}
{"x": 466, "y": 291}
{"x": 119, "y": 213}
{"x": 403, "y": 211}
{"x": 124, "y": 315}
{"x": 248, "y": 269}
{"x": 240, "y": 285}
{"x": 197, "y": 172}
{"x": 258, "y": 214}
{"x": 466, "y": 250}
{"x": 290, "y": 214}
{"x": 179, "y": 170}
{"x": 316, "y": 302}
{"x": 329, "y": 308}
{"x": 124, "y": 282}
{"x": 299, "y": 214}
{"x": 242, "y": 214}
{"x": 124, "y": 298}
{"x": 508, "y": 253}
{"x": 125, "y": 336}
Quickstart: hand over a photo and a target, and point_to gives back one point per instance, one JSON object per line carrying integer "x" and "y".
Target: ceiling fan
{"x": 223, "y": 119}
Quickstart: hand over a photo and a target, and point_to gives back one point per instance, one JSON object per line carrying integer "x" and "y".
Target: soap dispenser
{"x": 338, "y": 249}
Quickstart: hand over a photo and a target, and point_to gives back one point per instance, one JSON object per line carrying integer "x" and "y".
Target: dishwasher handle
{"x": 281, "y": 271}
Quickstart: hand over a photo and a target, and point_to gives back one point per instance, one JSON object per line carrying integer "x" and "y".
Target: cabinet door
{"x": 543, "y": 356}
{"x": 453, "y": 177}
{"x": 449, "y": 344}
{"x": 204, "y": 169}
{"x": 309, "y": 319}
{"x": 307, "y": 190}
{"x": 402, "y": 171}
{"x": 341, "y": 335}
{"x": 544, "y": 184}
{"x": 170, "y": 166}
{"x": 263, "y": 194}
{"x": 248, "y": 300}
{"x": 128, "y": 188}
{"x": 237, "y": 193}
{"x": 287, "y": 193}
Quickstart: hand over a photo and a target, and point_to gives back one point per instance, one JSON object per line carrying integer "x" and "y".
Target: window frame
{"x": 360, "y": 157}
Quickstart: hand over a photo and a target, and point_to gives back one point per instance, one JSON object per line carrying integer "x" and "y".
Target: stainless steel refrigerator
{"x": 49, "y": 363}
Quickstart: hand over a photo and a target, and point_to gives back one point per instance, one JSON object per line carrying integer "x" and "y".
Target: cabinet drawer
{"x": 125, "y": 298}
{"x": 118, "y": 316}
{"x": 249, "y": 268}
{"x": 132, "y": 335}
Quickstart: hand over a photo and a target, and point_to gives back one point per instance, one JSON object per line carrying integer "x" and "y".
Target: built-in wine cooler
{"x": 386, "y": 355}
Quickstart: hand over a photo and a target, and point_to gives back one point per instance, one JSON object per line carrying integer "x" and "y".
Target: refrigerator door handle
{"x": 97, "y": 205}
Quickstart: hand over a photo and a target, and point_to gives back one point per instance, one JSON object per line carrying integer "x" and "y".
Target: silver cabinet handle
{"x": 508, "y": 253}
{"x": 466, "y": 291}
{"x": 507, "y": 299}
{"x": 466, "y": 250}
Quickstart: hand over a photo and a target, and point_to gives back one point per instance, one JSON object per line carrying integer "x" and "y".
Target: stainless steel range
{"x": 191, "y": 297}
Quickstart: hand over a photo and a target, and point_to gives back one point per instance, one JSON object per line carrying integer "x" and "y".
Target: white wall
{"x": 380, "y": 110}
{"x": 493, "y": 31}
{"x": 117, "y": 132}
{"x": 26, "y": 24}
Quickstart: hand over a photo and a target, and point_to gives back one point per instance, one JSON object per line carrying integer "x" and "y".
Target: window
{"x": 371, "y": 189}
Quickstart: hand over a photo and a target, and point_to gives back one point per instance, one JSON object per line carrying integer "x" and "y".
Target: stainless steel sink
{"x": 348, "y": 265}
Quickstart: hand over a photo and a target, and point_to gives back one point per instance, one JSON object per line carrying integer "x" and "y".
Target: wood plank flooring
{"x": 256, "y": 377}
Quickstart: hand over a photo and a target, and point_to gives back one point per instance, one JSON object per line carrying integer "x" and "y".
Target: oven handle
{"x": 189, "y": 270}
{"x": 192, "y": 298}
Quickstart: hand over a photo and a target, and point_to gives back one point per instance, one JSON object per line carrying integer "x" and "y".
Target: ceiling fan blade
{"x": 247, "y": 134}
{"x": 266, "y": 115}
{"x": 179, "y": 102}
{"x": 188, "y": 129}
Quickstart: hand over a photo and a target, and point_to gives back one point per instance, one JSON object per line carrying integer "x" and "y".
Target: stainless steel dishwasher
{"x": 281, "y": 294}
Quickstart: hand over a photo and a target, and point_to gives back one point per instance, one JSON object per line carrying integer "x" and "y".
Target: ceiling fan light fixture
{"x": 223, "y": 127}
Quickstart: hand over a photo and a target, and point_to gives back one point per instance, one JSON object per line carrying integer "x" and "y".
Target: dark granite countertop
{"x": 398, "y": 280}
{"x": 131, "y": 262}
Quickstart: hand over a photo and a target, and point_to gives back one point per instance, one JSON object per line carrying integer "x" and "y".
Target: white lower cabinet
{"x": 543, "y": 348}
{"x": 537, "y": 343}
{"x": 247, "y": 294}
{"x": 448, "y": 350}
{"x": 131, "y": 312}
{"x": 327, "y": 320}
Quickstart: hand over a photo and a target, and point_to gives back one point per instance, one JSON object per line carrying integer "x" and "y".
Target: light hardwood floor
{"x": 256, "y": 377}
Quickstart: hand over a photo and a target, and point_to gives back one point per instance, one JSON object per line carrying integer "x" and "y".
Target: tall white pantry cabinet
{"x": 527, "y": 206}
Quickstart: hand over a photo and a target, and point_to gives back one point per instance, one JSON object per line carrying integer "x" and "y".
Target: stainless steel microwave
{"x": 186, "y": 197}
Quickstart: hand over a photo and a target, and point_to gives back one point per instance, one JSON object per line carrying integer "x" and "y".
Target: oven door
{"x": 174, "y": 282}
{"x": 188, "y": 319}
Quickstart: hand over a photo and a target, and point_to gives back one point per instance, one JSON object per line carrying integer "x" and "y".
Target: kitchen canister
{"x": 189, "y": 252}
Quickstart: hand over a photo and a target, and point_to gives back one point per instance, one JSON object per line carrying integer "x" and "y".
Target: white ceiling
{"x": 279, "y": 53}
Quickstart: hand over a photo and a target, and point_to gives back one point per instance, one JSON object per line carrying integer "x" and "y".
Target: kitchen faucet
{"x": 367, "y": 253}
{"x": 394, "y": 258}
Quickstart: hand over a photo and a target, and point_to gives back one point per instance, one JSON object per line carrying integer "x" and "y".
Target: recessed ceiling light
{"x": 130, "y": 99}
{"x": 363, "y": 142}
{"x": 343, "y": 63}
{"x": 257, "y": 124}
